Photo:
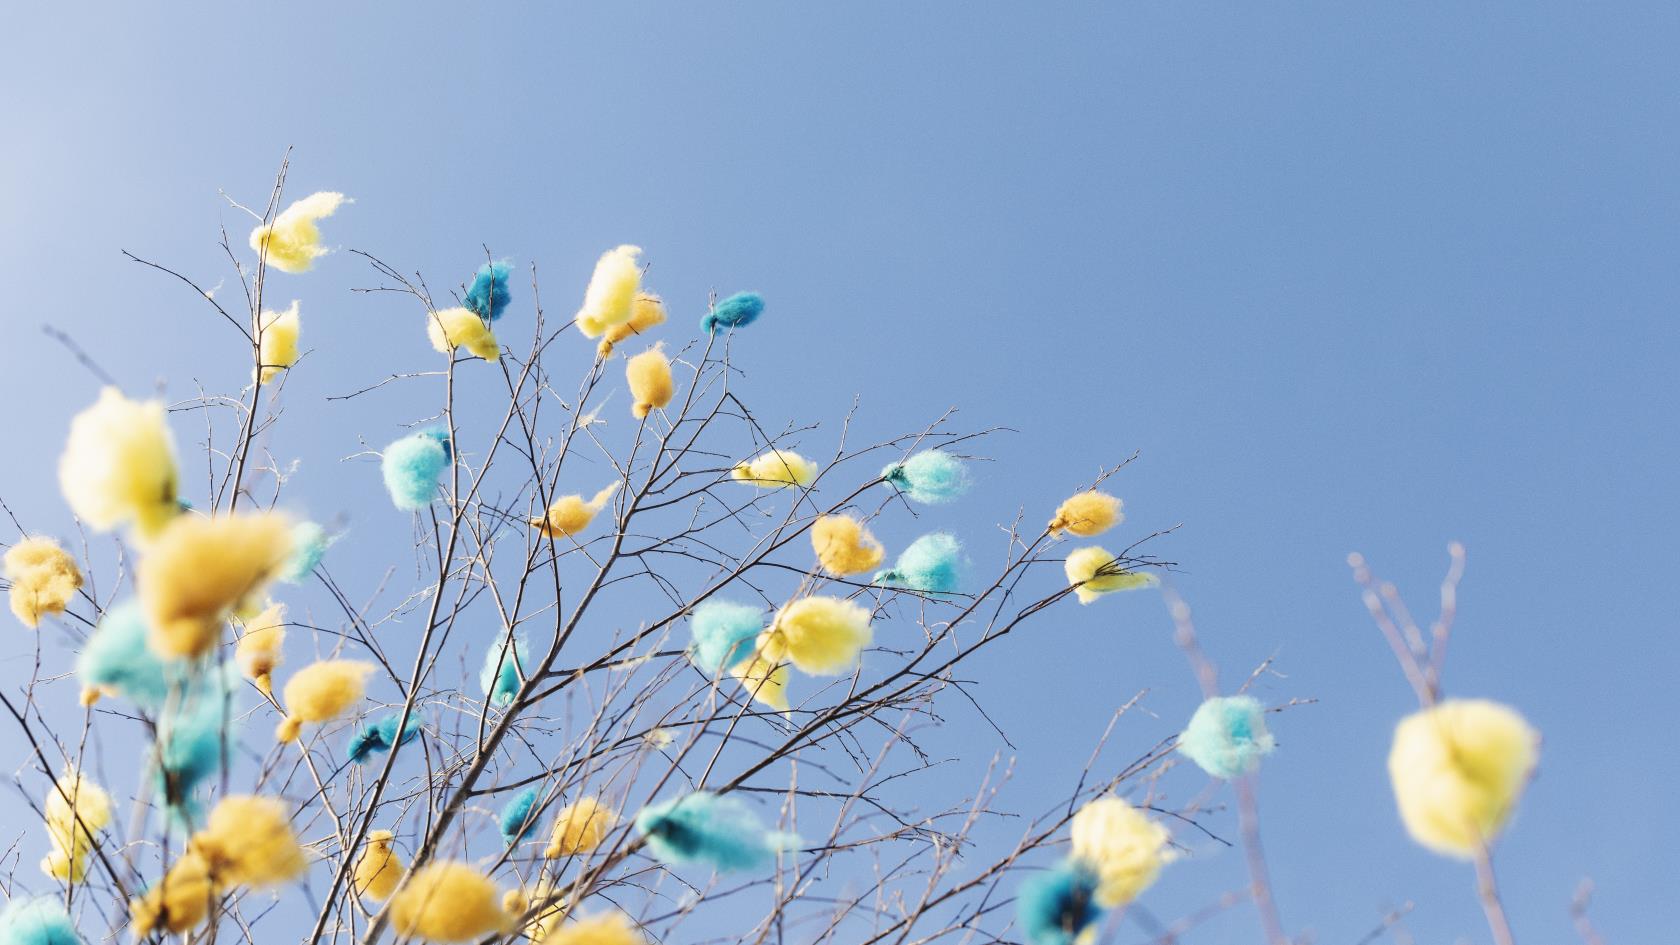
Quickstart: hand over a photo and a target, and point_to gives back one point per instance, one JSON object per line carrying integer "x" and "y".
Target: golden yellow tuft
{"x": 1123, "y": 846}
{"x": 645, "y": 313}
{"x": 75, "y": 809}
{"x": 202, "y": 570}
{"x": 44, "y": 578}
{"x": 1088, "y": 513}
{"x": 1094, "y": 571}
{"x": 649, "y": 375}
{"x": 179, "y": 902}
{"x": 822, "y": 636}
{"x": 579, "y": 827}
{"x": 766, "y": 680}
{"x": 1458, "y": 770}
{"x": 277, "y": 347}
{"x": 454, "y": 328}
{"x": 448, "y": 902}
{"x": 571, "y": 514}
{"x": 379, "y": 869}
{"x": 612, "y": 291}
{"x": 776, "y": 469}
{"x": 258, "y": 652}
{"x": 118, "y": 467}
{"x": 321, "y": 692}
{"x": 248, "y": 841}
{"x": 608, "y": 928}
{"x": 292, "y": 242}
{"x": 844, "y": 545}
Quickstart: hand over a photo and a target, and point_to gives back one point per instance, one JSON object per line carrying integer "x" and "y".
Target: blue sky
{"x": 1348, "y": 277}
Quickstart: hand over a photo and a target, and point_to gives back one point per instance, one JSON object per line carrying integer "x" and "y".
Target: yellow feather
{"x": 248, "y": 841}
{"x": 258, "y": 652}
{"x": 844, "y": 546}
{"x": 645, "y": 313}
{"x": 293, "y": 242}
{"x": 321, "y": 692}
{"x": 179, "y": 902}
{"x": 579, "y": 828}
{"x": 776, "y": 469}
{"x": 379, "y": 869}
{"x": 44, "y": 578}
{"x": 649, "y": 375}
{"x": 118, "y": 467}
{"x": 1123, "y": 846}
{"x": 609, "y": 928}
{"x": 1458, "y": 770}
{"x": 202, "y": 570}
{"x": 448, "y": 902}
{"x": 571, "y": 514}
{"x": 462, "y": 328}
{"x": 1095, "y": 571}
{"x": 766, "y": 680}
{"x": 278, "y": 345}
{"x": 1088, "y": 513}
{"x": 822, "y": 636}
{"x": 612, "y": 291}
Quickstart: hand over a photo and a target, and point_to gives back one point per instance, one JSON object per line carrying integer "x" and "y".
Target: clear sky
{"x": 1350, "y": 276}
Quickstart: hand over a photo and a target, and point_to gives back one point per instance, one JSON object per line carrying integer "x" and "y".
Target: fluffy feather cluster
{"x": 379, "y": 737}
{"x": 40, "y": 920}
{"x": 248, "y": 841}
{"x": 44, "y": 578}
{"x": 309, "y": 545}
{"x": 649, "y": 376}
{"x": 1088, "y": 513}
{"x": 822, "y": 636}
{"x": 608, "y": 928}
{"x": 931, "y": 477}
{"x": 579, "y": 828}
{"x": 292, "y": 242}
{"x": 707, "y": 829}
{"x": 201, "y": 571}
{"x": 258, "y": 652}
{"x": 571, "y": 514}
{"x": 277, "y": 342}
{"x": 1093, "y": 572}
{"x": 379, "y": 869}
{"x": 489, "y": 294}
{"x": 1121, "y": 845}
{"x": 645, "y": 313}
{"x": 844, "y": 546}
{"x": 725, "y": 638}
{"x": 519, "y": 817}
{"x": 413, "y": 465}
{"x": 453, "y": 328}
{"x": 776, "y": 469}
{"x": 118, "y": 467}
{"x": 195, "y": 725}
{"x": 737, "y": 311}
{"x": 1227, "y": 736}
{"x": 448, "y": 901}
{"x": 1458, "y": 770}
{"x": 76, "y": 809}
{"x": 1059, "y": 906}
{"x": 179, "y": 902}
{"x": 932, "y": 564}
{"x": 505, "y": 665}
{"x": 612, "y": 292}
{"x": 118, "y": 661}
{"x": 321, "y": 692}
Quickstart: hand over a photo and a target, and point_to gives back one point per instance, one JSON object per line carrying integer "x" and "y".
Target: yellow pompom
{"x": 1458, "y": 770}
{"x": 321, "y": 692}
{"x": 293, "y": 242}
{"x": 248, "y": 841}
{"x": 201, "y": 570}
{"x": 277, "y": 349}
{"x": 454, "y": 328}
{"x": 379, "y": 869}
{"x": 119, "y": 466}
{"x": 766, "y": 680}
{"x": 1123, "y": 846}
{"x": 179, "y": 902}
{"x": 1088, "y": 513}
{"x": 75, "y": 809}
{"x": 608, "y": 928}
{"x": 579, "y": 828}
{"x": 646, "y": 312}
{"x": 570, "y": 514}
{"x": 844, "y": 546}
{"x": 258, "y": 652}
{"x": 44, "y": 578}
{"x": 448, "y": 902}
{"x": 612, "y": 291}
{"x": 822, "y": 636}
{"x": 1096, "y": 571}
{"x": 547, "y": 907}
{"x": 64, "y": 866}
{"x": 649, "y": 374}
{"x": 776, "y": 469}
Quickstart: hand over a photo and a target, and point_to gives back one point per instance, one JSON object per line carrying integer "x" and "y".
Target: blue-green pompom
{"x": 709, "y": 829}
{"x": 413, "y": 465}
{"x": 519, "y": 816}
{"x": 381, "y": 736}
{"x": 737, "y": 311}
{"x": 504, "y": 669}
{"x": 309, "y": 546}
{"x": 117, "y": 658}
{"x": 932, "y": 564}
{"x": 724, "y": 633}
{"x": 488, "y": 296}
{"x": 39, "y": 920}
{"x": 931, "y": 476}
{"x": 1056, "y": 906}
{"x": 1227, "y": 736}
